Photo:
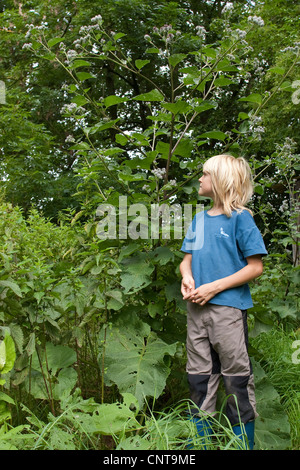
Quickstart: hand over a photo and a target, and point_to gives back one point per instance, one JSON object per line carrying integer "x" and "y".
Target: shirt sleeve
{"x": 194, "y": 238}
{"x": 249, "y": 238}
{"x": 189, "y": 239}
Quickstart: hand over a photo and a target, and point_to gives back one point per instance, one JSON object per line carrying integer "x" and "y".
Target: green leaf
{"x": 222, "y": 81}
{"x": 242, "y": 116}
{"x": 225, "y": 66}
{"x": 4, "y": 415}
{"x": 218, "y": 135}
{"x": 17, "y": 335}
{"x": 79, "y": 100}
{"x": 54, "y": 41}
{"x": 35, "y": 385}
{"x": 209, "y": 52}
{"x": 135, "y": 281}
{"x": 278, "y": 70}
{"x": 7, "y": 354}
{"x": 83, "y": 146}
{"x": 176, "y": 58}
{"x": 121, "y": 139}
{"x": 57, "y": 357}
{"x": 141, "y": 63}
{"x": 118, "y": 36}
{"x": 259, "y": 189}
{"x": 67, "y": 379}
{"x": 173, "y": 293}
{"x": 156, "y": 308}
{"x": 112, "y": 418}
{"x": 56, "y": 365}
{"x": 113, "y": 151}
{"x": 283, "y": 307}
{"x": 163, "y": 148}
{"x": 134, "y": 358}
{"x": 140, "y": 163}
{"x": 162, "y": 117}
{"x": 35, "y": 45}
{"x": 136, "y": 274}
{"x": 60, "y": 440}
{"x": 244, "y": 127}
{"x": 134, "y": 442}
{"x": 84, "y": 76}
{"x": 30, "y": 348}
{"x": 154, "y": 95}
{"x": 272, "y": 429}
{"x": 2, "y": 355}
{"x": 101, "y": 126}
{"x": 79, "y": 63}
{"x": 49, "y": 56}
{"x": 153, "y": 50}
{"x": 180, "y": 107}
{"x": 286, "y": 86}
{"x": 133, "y": 177}
{"x": 163, "y": 255}
{"x": 12, "y": 286}
{"x": 116, "y": 300}
{"x": 253, "y": 98}
{"x": 6, "y": 398}
{"x": 113, "y": 100}
{"x": 184, "y": 148}
{"x": 204, "y": 106}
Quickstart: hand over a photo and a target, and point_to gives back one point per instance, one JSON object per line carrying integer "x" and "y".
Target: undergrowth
{"x": 274, "y": 352}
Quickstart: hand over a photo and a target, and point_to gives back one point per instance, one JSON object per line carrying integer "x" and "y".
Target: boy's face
{"x": 205, "y": 188}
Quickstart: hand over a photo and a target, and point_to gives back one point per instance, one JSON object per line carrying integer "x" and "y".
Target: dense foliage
{"x": 108, "y": 109}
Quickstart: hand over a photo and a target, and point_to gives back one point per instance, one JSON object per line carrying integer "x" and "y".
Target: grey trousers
{"x": 217, "y": 343}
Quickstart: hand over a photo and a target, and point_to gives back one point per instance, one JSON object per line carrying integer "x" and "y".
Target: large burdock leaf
{"x": 272, "y": 430}
{"x": 136, "y": 274}
{"x": 56, "y": 362}
{"x": 54, "y": 358}
{"x": 136, "y": 359}
{"x": 112, "y": 418}
{"x": 108, "y": 418}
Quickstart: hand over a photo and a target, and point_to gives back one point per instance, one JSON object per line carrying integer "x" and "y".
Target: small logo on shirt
{"x": 222, "y": 234}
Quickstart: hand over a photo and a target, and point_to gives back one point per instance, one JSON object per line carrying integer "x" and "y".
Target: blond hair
{"x": 231, "y": 182}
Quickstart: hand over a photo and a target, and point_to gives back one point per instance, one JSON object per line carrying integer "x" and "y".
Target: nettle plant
{"x": 146, "y": 141}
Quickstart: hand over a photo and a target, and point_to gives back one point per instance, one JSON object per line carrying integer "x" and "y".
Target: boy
{"x": 223, "y": 250}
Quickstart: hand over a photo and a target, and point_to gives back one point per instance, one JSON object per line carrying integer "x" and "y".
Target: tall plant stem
{"x": 49, "y": 392}
{"x": 104, "y": 344}
{"x": 172, "y": 128}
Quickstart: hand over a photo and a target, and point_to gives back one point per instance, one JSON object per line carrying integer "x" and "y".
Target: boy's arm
{"x": 204, "y": 293}
{"x": 187, "y": 283}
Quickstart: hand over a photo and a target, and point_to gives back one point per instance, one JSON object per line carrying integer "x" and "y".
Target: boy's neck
{"x": 216, "y": 210}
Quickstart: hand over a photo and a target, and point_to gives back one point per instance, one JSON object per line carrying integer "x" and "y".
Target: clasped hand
{"x": 201, "y": 295}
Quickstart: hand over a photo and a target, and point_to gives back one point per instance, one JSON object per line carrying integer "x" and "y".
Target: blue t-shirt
{"x": 219, "y": 246}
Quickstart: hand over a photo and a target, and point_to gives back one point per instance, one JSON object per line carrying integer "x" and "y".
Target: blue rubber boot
{"x": 246, "y": 434}
{"x": 204, "y": 430}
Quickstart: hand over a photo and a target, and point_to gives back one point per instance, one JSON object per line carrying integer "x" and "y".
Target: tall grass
{"x": 172, "y": 429}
